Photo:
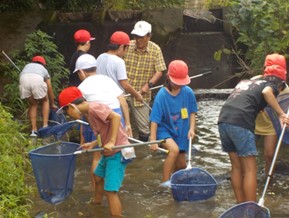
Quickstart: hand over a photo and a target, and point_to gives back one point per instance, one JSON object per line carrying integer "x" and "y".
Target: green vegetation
{"x": 260, "y": 27}
{"x": 37, "y": 43}
{"x": 13, "y": 165}
{"x": 87, "y": 5}
{"x": 141, "y": 4}
{"x": 16, "y": 5}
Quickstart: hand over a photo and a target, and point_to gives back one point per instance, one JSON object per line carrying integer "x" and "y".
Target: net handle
{"x": 262, "y": 199}
{"x": 189, "y": 166}
{"x": 160, "y": 149}
{"x": 119, "y": 146}
{"x": 192, "y": 77}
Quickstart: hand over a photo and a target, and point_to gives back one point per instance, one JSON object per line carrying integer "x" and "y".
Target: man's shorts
{"x": 237, "y": 139}
{"x": 112, "y": 170}
{"x": 32, "y": 85}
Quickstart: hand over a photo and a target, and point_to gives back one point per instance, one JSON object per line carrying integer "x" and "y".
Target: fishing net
{"x": 55, "y": 118}
{"x": 193, "y": 185}
{"x": 283, "y": 100}
{"x": 53, "y": 166}
{"x": 57, "y": 130}
{"x": 248, "y": 210}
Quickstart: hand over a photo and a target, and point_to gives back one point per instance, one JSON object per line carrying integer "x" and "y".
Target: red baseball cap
{"x": 275, "y": 65}
{"x": 68, "y": 95}
{"x": 39, "y": 59}
{"x": 81, "y": 36}
{"x": 119, "y": 38}
{"x": 178, "y": 73}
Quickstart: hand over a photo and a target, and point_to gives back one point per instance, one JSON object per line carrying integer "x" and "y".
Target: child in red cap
{"x": 173, "y": 118}
{"x": 110, "y": 170}
{"x": 112, "y": 65}
{"x": 82, "y": 39}
{"x": 237, "y": 123}
{"x": 35, "y": 86}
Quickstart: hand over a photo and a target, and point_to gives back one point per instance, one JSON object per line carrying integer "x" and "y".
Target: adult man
{"x": 82, "y": 40}
{"x": 144, "y": 63}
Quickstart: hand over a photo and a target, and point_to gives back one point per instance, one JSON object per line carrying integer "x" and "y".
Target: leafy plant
{"x": 13, "y": 164}
{"x": 16, "y": 5}
{"x": 217, "y": 3}
{"x": 141, "y": 4}
{"x": 37, "y": 43}
{"x": 261, "y": 27}
{"x": 71, "y": 5}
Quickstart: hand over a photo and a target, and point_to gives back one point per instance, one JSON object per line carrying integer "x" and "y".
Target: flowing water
{"x": 142, "y": 197}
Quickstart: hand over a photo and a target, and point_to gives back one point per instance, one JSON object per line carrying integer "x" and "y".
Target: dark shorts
{"x": 237, "y": 139}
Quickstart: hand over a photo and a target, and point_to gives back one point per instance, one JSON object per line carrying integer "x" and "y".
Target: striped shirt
{"x": 142, "y": 65}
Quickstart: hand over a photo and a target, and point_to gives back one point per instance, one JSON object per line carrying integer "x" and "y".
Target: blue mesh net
{"x": 193, "y": 185}
{"x": 55, "y": 118}
{"x": 248, "y": 210}
{"x": 53, "y": 166}
{"x": 283, "y": 100}
{"x": 57, "y": 130}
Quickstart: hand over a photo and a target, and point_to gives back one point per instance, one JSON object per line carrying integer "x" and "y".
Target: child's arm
{"x": 153, "y": 135}
{"x": 191, "y": 133}
{"x": 272, "y": 101}
{"x": 125, "y": 112}
{"x": 50, "y": 93}
{"x": 114, "y": 119}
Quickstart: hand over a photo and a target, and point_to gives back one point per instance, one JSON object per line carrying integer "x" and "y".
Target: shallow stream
{"x": 142, "y": 197}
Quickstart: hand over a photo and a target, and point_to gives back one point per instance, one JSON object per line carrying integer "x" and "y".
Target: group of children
{"x": 99, "y": 99}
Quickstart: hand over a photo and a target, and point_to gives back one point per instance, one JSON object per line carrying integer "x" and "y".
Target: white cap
{"x": 141, "y": 28}
{"x": 84, "y": 61}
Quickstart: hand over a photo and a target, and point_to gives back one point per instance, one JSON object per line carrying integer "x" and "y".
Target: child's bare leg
{"x": 99, "y": 189}
{"x": 249, "y": 177}
{"x": 270, "y": 142}
{"x": 45, "y": 111}
{"x": 171, "y": 158}
{"x": 237, "y": 177}
{"x": 114, "y": 203}
{"x": 33, "y": 113}
{"x": 181, "y": 162}
{"x": 95, "y": 160}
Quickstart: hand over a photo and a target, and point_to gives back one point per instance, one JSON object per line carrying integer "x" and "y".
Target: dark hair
{"x": 79, "y": 43}
{"x": 111, "y": 46}
{"x": 38, "y": 62}
{"x": 276, "y": 81}
{"x": 168, "y": 83}
{"x": 78, "y": 101}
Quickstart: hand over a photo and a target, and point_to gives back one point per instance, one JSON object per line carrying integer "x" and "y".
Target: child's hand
{"x": 191, "y": 134}
{"x": 154, "y": 147}
{"x": 128, "y": 130}
{"x": 87, "y": 146}
{"x": 108, "y": 146}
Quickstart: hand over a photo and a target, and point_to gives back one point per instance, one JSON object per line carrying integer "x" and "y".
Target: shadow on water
{"x": 141, "y": 195}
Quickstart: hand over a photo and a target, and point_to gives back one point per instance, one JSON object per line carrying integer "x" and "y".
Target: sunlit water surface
{"x": 141, "y": 195}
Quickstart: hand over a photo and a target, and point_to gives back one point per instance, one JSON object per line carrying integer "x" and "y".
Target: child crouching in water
{"x": 110, "y": 171}
{"x": 173, "y": 118}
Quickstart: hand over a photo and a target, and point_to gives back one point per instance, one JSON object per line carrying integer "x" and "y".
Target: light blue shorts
{"x": 237, "y": 139}
{"x": 112, "y": 170}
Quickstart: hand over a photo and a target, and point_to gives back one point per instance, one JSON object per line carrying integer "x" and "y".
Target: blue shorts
{"x": 182, "y": 142}
{"x": 112, "y": 170}
{"x": 237, "y": 139}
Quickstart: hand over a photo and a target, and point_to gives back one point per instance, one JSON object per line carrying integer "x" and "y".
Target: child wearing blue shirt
{"x": 173, "y": 117}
